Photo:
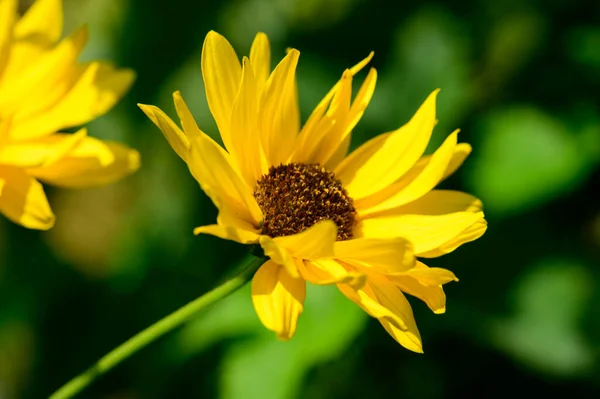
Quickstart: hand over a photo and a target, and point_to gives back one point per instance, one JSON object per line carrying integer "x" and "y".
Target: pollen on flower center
{"x": 295, "y": 196}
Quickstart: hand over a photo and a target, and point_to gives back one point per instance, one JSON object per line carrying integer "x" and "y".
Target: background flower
{"x": 519, "y": 79}
{"x": 44, "y": 90}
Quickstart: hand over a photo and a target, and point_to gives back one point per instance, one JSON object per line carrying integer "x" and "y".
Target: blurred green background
{"x": 520, "y": 78}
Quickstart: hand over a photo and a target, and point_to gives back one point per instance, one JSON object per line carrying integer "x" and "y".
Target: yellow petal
{"x": 328, "y": 132}
{"x": 425, "y": 232}
{"x": 211, "y": 167}
{"x": 317, "y": 126}
{"x": 43, "y": 21}
{"x": 313, "y": 243}
{"x": 396, "y": 156}
{"x": 384, "y": 301}
{"x": 279, "y": 255}
{"x": 363, "y": 63}
{"x": 25, "y": 83}
{"x": 90, "y": 162}
{"x": 23, "y": 200}
{"x": 5, "y": 124}
{"x": 190, "y": 127}
{"x": 339, "y": 114}
{"x": 472, "y": 233}
{"x": 98, "y": 90}
{"x": 8, "y": 12}
{"x": 425, "y": 283}
{"x": 260, "y": 58}
{"x": 461, "y": 152}
{"x": 222, "y": 73}
{"x": 430, "y": 275}
{"x": 348, "y": 167}
{"x": 387, "y": 255}
{"x": 330, "y": 271}
{"x": 411, "y": 341}
{"x": 278, "y": 299}
{"x": 433, "y": 296}
{"x": 228, "y": 233}
{"x": 39, "y": 152}
{"x": 230, "y": 227}
{"x": 357, "y": 109}
{"x": 422, "y": 178}
{"x": 245, "y": 146}
{"x": 438, "y": 202}
{"x": 176, "y": 138}
{"x": 279, "y": 119}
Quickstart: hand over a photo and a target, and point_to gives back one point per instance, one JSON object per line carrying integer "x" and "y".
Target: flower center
{"x": 295, "y": 196}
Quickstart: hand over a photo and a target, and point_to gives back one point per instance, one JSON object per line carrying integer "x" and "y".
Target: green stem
{"x": 158, "y": 329}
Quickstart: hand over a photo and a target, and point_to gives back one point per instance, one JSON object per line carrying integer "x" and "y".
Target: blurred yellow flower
{"x": 358, "y": 221}
{"x": 43, "y": 89}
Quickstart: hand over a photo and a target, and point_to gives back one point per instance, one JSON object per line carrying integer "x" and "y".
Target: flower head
{"x": 360, "y": 221}
{"x": 43, "y": 89}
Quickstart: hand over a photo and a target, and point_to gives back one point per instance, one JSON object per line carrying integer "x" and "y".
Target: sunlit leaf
{"x": 545, "y": 331}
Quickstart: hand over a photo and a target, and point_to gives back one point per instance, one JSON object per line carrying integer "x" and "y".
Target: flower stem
{"x": 247, "y": 269}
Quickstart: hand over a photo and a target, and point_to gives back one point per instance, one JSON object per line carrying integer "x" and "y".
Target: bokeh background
{"x": 521, "y": 78}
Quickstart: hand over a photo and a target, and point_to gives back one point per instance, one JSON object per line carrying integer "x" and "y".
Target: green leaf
{"x": 544, "y": 331}
{"x": 525, "y": 158}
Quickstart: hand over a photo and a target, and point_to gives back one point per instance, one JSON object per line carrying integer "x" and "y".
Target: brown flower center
{"x": 295, "y": 196}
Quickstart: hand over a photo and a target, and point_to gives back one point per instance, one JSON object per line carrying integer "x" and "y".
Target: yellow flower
{"x": 358, "y": 221}
{"x": 43, "y": 89}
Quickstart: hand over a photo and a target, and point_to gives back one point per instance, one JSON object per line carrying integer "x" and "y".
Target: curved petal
{"x": 330, "y": 271}
{"x": 358, "y": 157}
{"x": 318, "y": 124}
{"x": 279, "y": 255}
{"x": 26, "y": 83}
{"x": 230, "y": 227}
{"x": 211, "y": 167}
{"x": 8, "y": 14}
{"x": 395, "y": 157}
{"x": 176, "y": 138}
{"x": 337, "y": 115}
{"x": 357, "y": 109}
{"x": 260, "y": 58}
{"x": 387, "y": 255}
{"x": 278, "y": 299}
{"x": 461, "y": 152}
{"x": 42, "y": 21}
{"x": 222, "y": 72}
{"x": 422, "y": 178}
{"x": 39, "y": 152}
{"x": 438, "y": 202}
{"x": 472, "y": 233}
{"x": 316, "y": 242}
{"x": 327, "y": 132}
{"x": 22, "y": 200}
{"x": 313, "y": 243}
{"x": 279, "y": 118}
{"x": 245, "y": 141}
{"x": 433, "y": 296}
{"x": 425, "y": 283}
{"x": 89, "y": 162}
{"x": 228, "y": 233}
{"x": 425, "y": 232}
{"x": 384, "y": 301}
{"x": 97, "y": 90}
{"x": 430, "y": 275}
{"x": 188, "y": 123}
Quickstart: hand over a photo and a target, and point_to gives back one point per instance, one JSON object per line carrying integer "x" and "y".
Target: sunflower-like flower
{"x": 359, "y": 221}
{"x": 43, "y": 89}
